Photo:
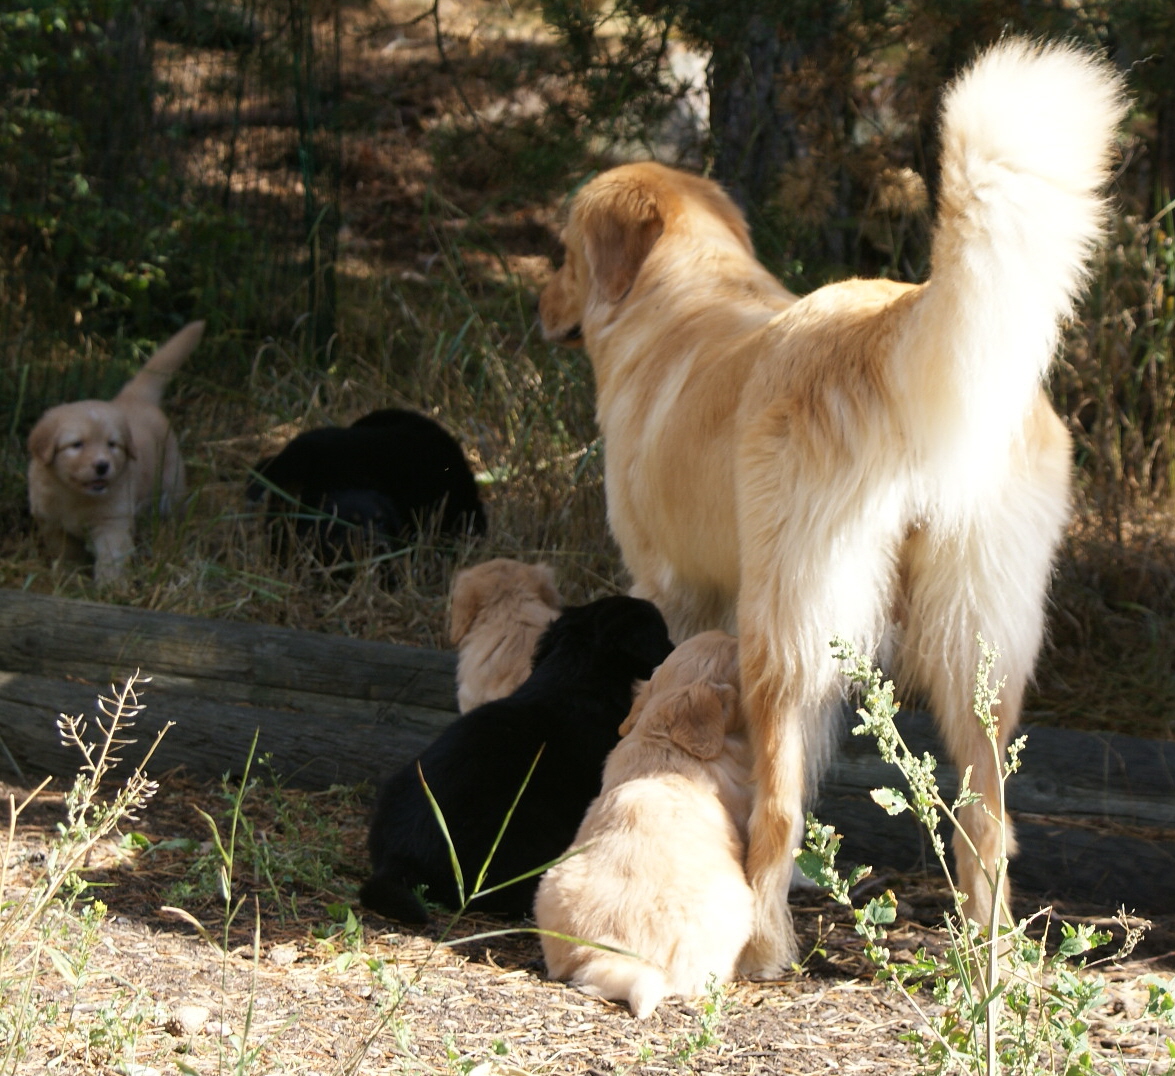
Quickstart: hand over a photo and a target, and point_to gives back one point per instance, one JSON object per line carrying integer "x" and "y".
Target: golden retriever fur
{"x": 659, "y": 871}
{"x": 497, "y": 612}
{"x": 876, "y": 461}
{"x": 94, "y": 465}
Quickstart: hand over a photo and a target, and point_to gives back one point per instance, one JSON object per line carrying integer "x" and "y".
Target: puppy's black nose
{"x": 101, "y": 467}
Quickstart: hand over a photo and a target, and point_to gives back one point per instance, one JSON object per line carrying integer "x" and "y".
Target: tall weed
{"x": 999, "y": 999}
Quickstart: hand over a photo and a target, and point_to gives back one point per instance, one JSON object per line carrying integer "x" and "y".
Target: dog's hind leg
{"x": 986, "y": 579}
{"x": 802, "y": 587}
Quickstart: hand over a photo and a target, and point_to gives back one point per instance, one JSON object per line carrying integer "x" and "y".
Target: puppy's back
{"x": 498, "y": 611}
{"x": 569, "y": 708}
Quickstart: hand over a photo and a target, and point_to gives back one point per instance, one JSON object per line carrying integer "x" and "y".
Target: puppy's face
{"x": 84, "y": 445}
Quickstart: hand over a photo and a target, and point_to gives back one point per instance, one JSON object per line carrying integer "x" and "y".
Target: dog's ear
{"x": 694, "y": 717}
{"x": 638, "y": 705}
{"x": 547, "y": 593}
{"x": 620, "y": 223}
{"x": 464, "y": 605}
{"x": 43, "y": 442}
{"x": 128, "y": 442}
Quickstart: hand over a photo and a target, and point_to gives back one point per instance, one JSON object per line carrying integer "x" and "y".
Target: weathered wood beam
{"x": 1098, "y": 809}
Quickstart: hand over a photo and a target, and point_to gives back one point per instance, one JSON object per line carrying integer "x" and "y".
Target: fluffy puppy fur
{"x": 497, "y": 612}
{"x": 876, "y": 461}
{"x": 95, "y": 465}
{"x": 659, "y": 866}
{"x": 395, "y": 471}
{"x": 570, "y": 708}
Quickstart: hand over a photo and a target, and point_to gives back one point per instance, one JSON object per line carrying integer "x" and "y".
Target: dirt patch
{"x": 310, "y": 983}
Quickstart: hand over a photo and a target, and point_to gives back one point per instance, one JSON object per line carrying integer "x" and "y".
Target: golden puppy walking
{"x": 876, "y": 460}
{"x": 94, "y": 465}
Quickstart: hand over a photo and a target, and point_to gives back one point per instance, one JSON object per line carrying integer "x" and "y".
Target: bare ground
{"x": 300, "y": 992}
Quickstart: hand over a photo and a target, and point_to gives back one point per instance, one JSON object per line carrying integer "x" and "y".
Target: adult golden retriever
{"x": 659, "y": 864}
{"x": 95, "y": 465}
{"x": 875, "y": 461}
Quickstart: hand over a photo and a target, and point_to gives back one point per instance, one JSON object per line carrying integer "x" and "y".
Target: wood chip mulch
{"x": 155, "y": 996}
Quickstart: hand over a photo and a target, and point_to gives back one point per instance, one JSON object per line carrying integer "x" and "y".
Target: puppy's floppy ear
{"x": 695, "y": 717}
{"x": 43, "y": 441}
{"x": 547, "y": 592}
{"x": 638, "y": 705}
{"x": 620, "y": 222}
{"x": 465, "y": 603}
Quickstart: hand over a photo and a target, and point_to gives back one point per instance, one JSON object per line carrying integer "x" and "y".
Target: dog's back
{"x": 569, "y": 709}
{"x": 400, "y": 455}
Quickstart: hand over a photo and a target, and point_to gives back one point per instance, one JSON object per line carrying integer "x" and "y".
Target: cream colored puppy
{"x": 95, "y": 465}
{"x": 660, "y": 873}
{"x": 497, "y": 612}
{"x": 876, "y": 461}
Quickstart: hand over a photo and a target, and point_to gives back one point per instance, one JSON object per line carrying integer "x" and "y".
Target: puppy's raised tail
{"x": 1028, "y": 137}
{"x": 150, "y": 382}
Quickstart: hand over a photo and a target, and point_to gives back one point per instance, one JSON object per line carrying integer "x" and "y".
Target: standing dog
{"x": 874, "y": 460}
{"x": 95, "y": 465}
{"x": 497, "y": 612}
{"x": 570, "y": 708}
{"x": 659, "y": 866}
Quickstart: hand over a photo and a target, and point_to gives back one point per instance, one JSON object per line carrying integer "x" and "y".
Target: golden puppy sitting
{"x": 95, "y": 464}
{"x": 498, "y": 611}
{"x": 660, "y": 873}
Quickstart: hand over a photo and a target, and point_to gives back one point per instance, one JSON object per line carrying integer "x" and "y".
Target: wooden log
{"x": 329, "y": 709}
{"x": 1099, "y": 807}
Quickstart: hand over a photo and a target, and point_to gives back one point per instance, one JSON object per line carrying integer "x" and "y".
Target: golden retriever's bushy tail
{"x": 150, "y": 382}
{"x": 1028, "y": 135}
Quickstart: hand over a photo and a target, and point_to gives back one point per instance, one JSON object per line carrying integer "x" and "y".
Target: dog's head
{"x": 692, "y": 697}
{"x": 612, "y": 640}
{"x": 613, "y": 225}
{"x": 85, "y": 445}
{"x": 499, "y": 580}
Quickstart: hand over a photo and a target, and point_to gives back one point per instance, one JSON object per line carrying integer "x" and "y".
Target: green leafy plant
{"x": 999, "y": 999}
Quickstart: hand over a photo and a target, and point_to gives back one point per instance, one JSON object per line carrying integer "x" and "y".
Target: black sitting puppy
{"x": 585, "y": 668}
{"x": 389, "y": 474}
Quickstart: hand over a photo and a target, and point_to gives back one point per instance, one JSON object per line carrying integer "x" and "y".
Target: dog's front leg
{"x": 113, "y": 545}
{"x": 776, "y": 829}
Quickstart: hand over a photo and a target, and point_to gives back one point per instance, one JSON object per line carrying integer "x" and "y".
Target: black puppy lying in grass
{"x": 387, "y": 477}
{"x": 585, "y": 669}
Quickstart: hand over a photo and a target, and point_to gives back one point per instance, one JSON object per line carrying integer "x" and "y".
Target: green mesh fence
{"x": 160, "y": 163}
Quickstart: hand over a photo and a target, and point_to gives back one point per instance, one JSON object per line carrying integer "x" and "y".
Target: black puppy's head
{"x": 620, "y": 635}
